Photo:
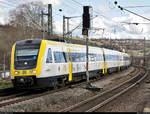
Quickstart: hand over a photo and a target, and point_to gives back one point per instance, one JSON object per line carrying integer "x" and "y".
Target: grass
{"x": 5, "y": 84}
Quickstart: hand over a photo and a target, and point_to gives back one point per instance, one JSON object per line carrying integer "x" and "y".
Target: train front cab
{"x": 26, "y": 63}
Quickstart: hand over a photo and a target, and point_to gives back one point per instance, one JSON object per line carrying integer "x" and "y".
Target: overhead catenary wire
{"x": 117, "y": 23}
{"x": 71, "y": 7}
{"x": 136, "y": 23}
{"x": 136, "y": 6}
{"x": 122, "y": 8}
{"x": 13, "y": 2}
{"x": 79, "y": 4}
{"x": 7, "y": 3}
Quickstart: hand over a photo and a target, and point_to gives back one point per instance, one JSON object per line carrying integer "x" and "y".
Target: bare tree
{"x": 27, "y": 17}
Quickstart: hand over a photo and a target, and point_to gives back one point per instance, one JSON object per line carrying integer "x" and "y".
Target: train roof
{"x": 29, "y": 41}
{"x": 56, "y": 42}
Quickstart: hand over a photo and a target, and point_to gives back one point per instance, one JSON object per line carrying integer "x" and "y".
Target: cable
{"x": 12, "y": 2}
{"x": 2, "y": 5}
{"x": 98, "y": 13}
{"x": 6, "y": 3}
{"x": 134, "y": 23}
{"x": 122, "y": 8}
{"x": 135, "y": 6}
{"x": 77, "y": 3}
{"x": 95, "y": 12}
{"x": 69, "y": 6}
{"x": 55, "y": 12}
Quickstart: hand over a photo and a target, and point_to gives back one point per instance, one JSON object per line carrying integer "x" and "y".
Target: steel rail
{"x": 78, "y": 106}
{"x": 10, "y": 101}
{"x": 117, "y": 95}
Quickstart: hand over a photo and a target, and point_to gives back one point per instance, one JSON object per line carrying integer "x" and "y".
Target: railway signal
{"x": 86, "y": 20}
{"x": 86, "y": 26}
{"x": 86, "y": 17}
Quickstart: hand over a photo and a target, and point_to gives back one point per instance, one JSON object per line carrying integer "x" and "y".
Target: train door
{"x": 48, "y": 69}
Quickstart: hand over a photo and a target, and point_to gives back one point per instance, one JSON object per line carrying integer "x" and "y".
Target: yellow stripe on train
{"x": 105, "y": 67}
{"x": 70, "y": 66}
{"x": 119, "y": 65}
{"x": 12, "y": 60}
{"x": 70, "y": 71}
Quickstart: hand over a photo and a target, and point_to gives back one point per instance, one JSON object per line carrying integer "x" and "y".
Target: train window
{"x": 98, "y": 57}
{"x": 60, "y": 57}
{"x": 120, "y": 58}
{"x": 92, "y": 57}
{"x": 112, "y": 57}
{"x": 107, "y": 57}
{"x": 77, "y": 57}
{"x": 126, "y": 58}
{"x": 72, "y": 56}
{"x": 82, "y": 57}
{"x": 49, "y": 56}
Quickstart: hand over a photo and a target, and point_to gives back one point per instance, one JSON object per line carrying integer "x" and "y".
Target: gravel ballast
{"x": 63, "y": 99}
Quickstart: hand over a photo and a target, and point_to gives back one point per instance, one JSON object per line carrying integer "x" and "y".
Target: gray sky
{"x": 109, "y": 16}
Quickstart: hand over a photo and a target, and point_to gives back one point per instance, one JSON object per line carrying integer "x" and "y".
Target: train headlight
{"x": 17, "y": 72}
{"x": 32, "y": 72}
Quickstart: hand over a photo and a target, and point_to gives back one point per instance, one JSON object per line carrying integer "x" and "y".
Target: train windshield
{"x": 26, "y": 56}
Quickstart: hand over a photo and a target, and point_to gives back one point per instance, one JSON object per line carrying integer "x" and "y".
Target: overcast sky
{"x": 109, "y": 16}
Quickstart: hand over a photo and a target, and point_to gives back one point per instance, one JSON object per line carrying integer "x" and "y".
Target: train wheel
{"x": 62, "y": 83}
{"x": 55, "y": 85}
{"x": 109, "y": 71}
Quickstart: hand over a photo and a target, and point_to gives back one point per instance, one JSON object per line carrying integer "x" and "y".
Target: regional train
{"x": 39, "y": 63}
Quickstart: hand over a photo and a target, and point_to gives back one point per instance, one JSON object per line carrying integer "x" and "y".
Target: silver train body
{"x": 44, "y": 63}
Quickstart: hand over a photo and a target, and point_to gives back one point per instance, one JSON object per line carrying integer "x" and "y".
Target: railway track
{"x": 24, "y": 96}
{"x": 20, "y": 97}
{"x": 6, "y": 91}
{"x": 98, "y": 101}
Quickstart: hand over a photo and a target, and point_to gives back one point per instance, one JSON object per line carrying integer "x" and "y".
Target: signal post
{"x": 86, "y": 26}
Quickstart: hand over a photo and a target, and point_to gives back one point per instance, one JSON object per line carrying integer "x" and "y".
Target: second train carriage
{"x": 43, "y": 63}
